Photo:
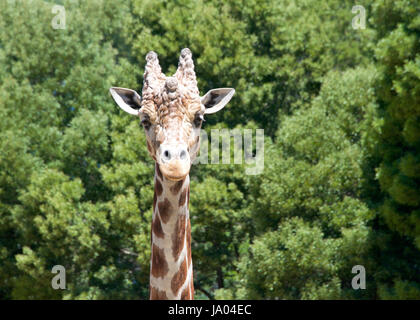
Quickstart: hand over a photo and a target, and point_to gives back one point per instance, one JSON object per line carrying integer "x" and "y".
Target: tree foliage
{"x": 398, "y": 91}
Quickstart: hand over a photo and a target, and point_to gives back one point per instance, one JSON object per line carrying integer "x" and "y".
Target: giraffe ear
{"x": 215, "y": 99}
{"x": 127, "y": 99}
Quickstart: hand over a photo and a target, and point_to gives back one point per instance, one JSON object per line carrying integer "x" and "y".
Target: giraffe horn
{"x": 185, "y": 71}
{"x": 152, "y": 73}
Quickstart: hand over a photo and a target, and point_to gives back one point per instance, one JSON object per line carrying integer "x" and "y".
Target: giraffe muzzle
{"x": 174, "y": 161}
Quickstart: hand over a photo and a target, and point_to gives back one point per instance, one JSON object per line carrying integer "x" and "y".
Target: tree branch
{"x": 208, "y": 294}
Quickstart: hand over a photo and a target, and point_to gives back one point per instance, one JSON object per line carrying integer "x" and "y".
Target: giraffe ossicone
{"x": 171, "y": 111}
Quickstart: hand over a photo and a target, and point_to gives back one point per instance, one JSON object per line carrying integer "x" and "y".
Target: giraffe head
{"x": 171, "y": 111}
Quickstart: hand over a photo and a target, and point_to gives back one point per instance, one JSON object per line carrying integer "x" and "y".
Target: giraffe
{"x": 171, "y": 111}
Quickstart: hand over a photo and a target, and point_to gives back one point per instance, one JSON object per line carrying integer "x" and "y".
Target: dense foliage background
{"x": 341, "y": 112}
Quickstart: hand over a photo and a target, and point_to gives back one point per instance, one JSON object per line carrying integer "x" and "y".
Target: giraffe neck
{"x": 171, "y": 275}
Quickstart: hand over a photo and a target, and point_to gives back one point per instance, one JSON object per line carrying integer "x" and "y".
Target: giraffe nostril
{"x": 183, "y": 155}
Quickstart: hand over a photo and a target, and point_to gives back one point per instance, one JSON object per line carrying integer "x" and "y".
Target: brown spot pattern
{"x": 188, "y": 197}
{"x": 158, "y": 187}
{"x": 192, "y": 286}
{"x": 159, "y": 264}
{"x": 185, "y": 295}
{"x": 177, "y": 186}
{"x": 165, "y": 208}
{"x": 149, "y": 147}
{"x": 154, "y": 202}
{"x": 189, "y": 243}
{"x": 151, "y": 236}
{"x": 156, "y": 294}
{"x": 178, "y": 236}
{"x": 182, "y": 197}
{"x": 179, "y": 278}
{"x": 157, "y": 227}
{"x": 158, "y": 172}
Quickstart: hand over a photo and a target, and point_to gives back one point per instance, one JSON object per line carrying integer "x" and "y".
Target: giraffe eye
{"x": 198, "y": 120}
{"x": 146, "y": 124}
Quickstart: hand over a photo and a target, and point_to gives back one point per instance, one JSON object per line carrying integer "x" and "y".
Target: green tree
{"x": 59, "y": 131}
{"x": 398, "y": 92}
{"x": 312, "y": 192}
